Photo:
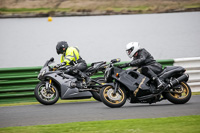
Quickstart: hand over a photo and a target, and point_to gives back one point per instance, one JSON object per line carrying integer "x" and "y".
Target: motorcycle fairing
{"x": 66, "y": 90}
{"x": 133, "y": 80}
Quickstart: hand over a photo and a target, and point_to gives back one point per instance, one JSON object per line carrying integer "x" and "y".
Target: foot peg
{"x": 160, "y": 84}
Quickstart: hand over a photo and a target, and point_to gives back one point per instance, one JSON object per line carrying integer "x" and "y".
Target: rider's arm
{"x": 140, "y": 60}
{"x": 72, "y": 54}
{"x": 68, "y": 57}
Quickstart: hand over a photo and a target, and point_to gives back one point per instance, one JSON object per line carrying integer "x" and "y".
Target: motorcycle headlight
{"x": 41, "y": 73}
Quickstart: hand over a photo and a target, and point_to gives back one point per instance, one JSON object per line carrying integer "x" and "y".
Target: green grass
{"x": 121, "y": 9}
{"x": 115, "y": 8}
{"x": 195, "y": 93}
{"x": 138, "y": 8}
{"x": 183, "y": 124}
{"x": 45, "y": 10}
{"x": 33, "y": 10}
{"x": 24, "y": 9}
{"x": 192, "y": 6}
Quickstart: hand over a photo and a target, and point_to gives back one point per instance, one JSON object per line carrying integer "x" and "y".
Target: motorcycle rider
{"x": 143, "y": 59}
{"x": 71, "y": 56}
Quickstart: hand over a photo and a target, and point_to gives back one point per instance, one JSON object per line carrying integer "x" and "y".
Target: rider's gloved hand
{"x": 57, "y": 66}
{"x": 124, "y": 65}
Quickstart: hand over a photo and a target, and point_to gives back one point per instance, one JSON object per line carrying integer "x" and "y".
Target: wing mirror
{"x": 115, "y": 60}
{"x": 52, "y": 59}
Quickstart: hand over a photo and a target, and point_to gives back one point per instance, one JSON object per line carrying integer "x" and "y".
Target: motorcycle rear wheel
{"x": 181, "y": 95}
{"x": 113, "y": 100}
{"x": 96, "y": 94}
{"x": 45, "y": 97}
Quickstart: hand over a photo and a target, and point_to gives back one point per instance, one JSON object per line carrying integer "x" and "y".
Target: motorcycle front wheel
{"x": 44, "y": 96}
{"x": 113, "y": 100}
{"x": 180, "y": 94}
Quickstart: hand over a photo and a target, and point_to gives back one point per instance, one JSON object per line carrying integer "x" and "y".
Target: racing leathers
{"x": 72, "y": 57}
{"x": 149, "y": 67}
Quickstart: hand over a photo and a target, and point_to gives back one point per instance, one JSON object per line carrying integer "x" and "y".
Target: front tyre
{"x": 113, "y": 100}
{"x": 44, "y": 96}
{"x": 179, "y": 95}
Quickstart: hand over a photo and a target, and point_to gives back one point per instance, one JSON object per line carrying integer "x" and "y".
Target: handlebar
{"x": 60, "y": 65}
{"x": 113, "y": 61}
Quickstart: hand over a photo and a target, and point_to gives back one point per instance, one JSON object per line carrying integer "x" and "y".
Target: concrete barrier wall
{"x": 192, "y": 66}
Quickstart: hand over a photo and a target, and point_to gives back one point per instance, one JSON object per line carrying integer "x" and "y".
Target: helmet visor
{"x": 129, "y": 51}
{"x": 59, "y": 51}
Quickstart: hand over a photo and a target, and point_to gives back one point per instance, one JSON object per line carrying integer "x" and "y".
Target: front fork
{"x": 49, "y": 85}
{"x": 116, "y": 88}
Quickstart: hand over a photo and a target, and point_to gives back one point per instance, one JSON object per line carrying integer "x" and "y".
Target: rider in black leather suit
{"x": 143, "y": 59}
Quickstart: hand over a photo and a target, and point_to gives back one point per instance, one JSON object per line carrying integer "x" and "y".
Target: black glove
{"x": 57, "y": 66}
{"x": 124, "y": 65}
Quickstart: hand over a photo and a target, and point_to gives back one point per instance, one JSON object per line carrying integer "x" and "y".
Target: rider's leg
{"x": 150, "y": 73}
{"x": 82, "y": 66}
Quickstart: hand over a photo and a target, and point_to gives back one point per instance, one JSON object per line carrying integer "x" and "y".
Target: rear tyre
{"x": 96, "y": 94}
{"x": 113, "y": 100}
{"x": 45, "y": 97}
{"x": 179, "y": 95}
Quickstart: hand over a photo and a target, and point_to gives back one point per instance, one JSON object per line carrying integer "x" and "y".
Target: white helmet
{"x": 132, "y": 48}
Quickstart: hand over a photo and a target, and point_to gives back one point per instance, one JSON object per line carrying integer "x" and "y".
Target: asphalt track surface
{"x": 92, "y": 111}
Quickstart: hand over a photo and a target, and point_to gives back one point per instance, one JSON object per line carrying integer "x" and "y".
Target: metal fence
{"x": 17, "y": 84}
{"x": 192, "y": 66}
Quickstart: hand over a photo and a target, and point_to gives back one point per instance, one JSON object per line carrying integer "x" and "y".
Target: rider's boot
{"x": 160, "y": 83}
{"x": 85, "y": 77}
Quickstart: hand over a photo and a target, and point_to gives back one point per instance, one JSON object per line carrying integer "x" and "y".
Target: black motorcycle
{"x": 131, "y": 84}
{"x": 58, "y": 82}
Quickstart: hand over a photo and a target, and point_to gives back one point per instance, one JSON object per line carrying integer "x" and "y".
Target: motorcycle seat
{"x": 166, "y": 69}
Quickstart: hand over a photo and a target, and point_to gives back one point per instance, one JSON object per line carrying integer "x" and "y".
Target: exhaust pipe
{"x": 176, "y": 81}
